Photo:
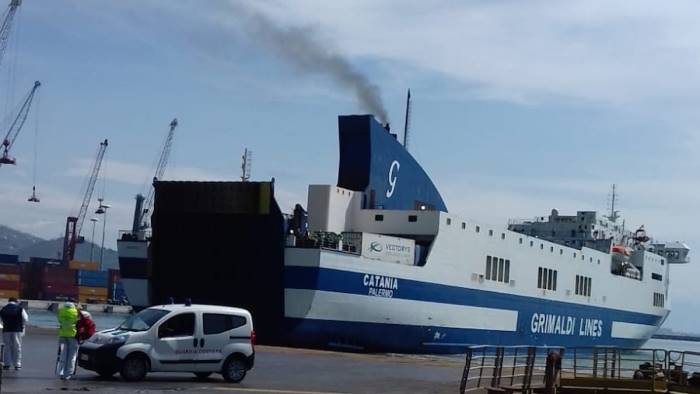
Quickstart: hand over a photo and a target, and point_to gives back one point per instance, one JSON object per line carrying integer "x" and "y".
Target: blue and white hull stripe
{"x": 331, "y": 304}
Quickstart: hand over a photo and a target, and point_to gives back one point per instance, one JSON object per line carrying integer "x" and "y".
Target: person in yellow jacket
{"x": 67, "y": 344}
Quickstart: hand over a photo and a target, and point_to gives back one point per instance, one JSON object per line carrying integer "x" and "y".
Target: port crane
{"x": 6, "y": 26}
{"x": 16, "y": 126}
{"x": 144, "y": 205}
{"x": 75, "y": 223}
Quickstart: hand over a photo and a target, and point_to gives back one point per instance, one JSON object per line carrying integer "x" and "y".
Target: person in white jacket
{"x": 14, "y": 319}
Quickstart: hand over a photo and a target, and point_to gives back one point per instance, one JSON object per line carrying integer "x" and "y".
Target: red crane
{"x": 16, "y": 125}
{"x": 75, "y": 223}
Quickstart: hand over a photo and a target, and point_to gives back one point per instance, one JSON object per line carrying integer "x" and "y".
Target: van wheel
{"x": 234, "y": 370}
{"x": 202, "y": 375}
{"x": 134, "y": 368}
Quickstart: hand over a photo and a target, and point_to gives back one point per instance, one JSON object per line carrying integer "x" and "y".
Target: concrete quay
{"x": 277, "y": 370}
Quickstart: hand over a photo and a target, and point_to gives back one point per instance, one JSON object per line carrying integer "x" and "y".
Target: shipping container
{"x": 13, "y": 269}
{"x": 58, "y": 296}
{"x": 82, "y": 265}
{"x": 92, "y": 282}
{"x": 44, "y": 260}
{"x": 9, "y": 258}
{"x": 98, "y": 291}
{"x": 91, "y": 299}
{"x": 9, "y": 285}
{"x": 91, "y": 274}
{"x": 10, "y": 277}
{"x": 9, "y": 293}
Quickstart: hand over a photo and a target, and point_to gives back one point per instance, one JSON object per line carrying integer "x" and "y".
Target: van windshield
{"x": 143, "y": 320}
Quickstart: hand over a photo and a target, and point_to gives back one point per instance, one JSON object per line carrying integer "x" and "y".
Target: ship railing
{"x": 612, "y": 368}
{"x": 506, "y": 368}
{"x": 683, "y": 371}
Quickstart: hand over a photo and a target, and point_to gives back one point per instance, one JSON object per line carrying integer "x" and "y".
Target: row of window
{"x": 547, "y": 279}
{"x": 583, "y": 285}
{"x": 183, "y": 325}
{"x": 659, "y": 300}
{"x": 414, "y": 218}
{"x": 497, "y": 269}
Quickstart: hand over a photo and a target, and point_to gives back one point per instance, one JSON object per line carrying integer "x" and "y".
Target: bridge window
{"x": 412, "y": 218}
{"x": 656, "y": 276}
{"x": 378, "y": 218}
{"x": 497, "y": 269}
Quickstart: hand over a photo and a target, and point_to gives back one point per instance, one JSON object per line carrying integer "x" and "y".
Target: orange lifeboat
{"x": 621, "y": 249}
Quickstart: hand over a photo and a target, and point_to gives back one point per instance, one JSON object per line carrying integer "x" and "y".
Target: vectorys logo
{"x": 375, "y": 246}
{"x": 392, "y": 178}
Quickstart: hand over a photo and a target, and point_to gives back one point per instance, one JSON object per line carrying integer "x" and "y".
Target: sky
{"x": 518, "y": 107}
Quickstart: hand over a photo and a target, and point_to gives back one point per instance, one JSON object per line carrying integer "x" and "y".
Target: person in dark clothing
{"x": 14, "y": 318}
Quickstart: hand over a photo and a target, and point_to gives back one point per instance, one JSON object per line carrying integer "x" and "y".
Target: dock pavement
{"x": 278, "y": 370}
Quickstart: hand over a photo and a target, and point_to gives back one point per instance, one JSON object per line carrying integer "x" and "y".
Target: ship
{"x": 377, "y": 262}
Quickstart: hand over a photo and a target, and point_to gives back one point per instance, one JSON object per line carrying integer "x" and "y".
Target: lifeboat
{"x": 621, "y": 250}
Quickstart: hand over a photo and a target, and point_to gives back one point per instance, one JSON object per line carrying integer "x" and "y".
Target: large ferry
{"x": 379, "y": 263}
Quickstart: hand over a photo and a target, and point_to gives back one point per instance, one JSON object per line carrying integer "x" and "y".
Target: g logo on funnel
{"x": 392, "y": 178}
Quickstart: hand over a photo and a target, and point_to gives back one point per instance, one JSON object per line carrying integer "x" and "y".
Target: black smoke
{"x": 301, "y": 47}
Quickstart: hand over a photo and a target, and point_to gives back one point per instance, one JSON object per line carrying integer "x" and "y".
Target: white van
{"x": 202, "y": 339}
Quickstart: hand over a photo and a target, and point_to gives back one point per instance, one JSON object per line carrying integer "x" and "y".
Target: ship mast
{"x": 614, "y": 215}
{"x": 407, "y": 121}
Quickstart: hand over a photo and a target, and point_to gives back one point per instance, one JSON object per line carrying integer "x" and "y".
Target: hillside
{"x": 12, "y": 241}
{"x": 26, "y": 246}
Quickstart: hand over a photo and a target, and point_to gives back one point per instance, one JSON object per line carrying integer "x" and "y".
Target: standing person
{"x": 68, "y": 345}
{"x": 14, "y": 318}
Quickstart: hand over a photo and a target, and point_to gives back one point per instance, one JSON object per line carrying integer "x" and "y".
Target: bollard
{"x": 551, "y": 372}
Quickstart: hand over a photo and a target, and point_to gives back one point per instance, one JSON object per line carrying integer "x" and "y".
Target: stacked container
{"x": 92, "y": 286}
{"x": 9, "y": 280}
{"x": 115, "y": 288}
{"x": 56, "y": 283}
{"x": 9, "y": 258}
{"x": 82, "y": 265}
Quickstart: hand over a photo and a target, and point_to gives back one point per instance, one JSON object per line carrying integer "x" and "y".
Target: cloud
{"x": 616, "y": 53}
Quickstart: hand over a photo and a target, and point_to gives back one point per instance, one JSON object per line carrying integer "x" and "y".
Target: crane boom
{"x": 75, "y": 223}
{"x": 160, "y": 170}
{"x": 16, "y": 125}
{"x": 7, "y": 26}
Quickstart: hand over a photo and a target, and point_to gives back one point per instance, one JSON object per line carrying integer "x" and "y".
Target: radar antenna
{"x": 246, "y": 165}
{"x": 407, "y": 121}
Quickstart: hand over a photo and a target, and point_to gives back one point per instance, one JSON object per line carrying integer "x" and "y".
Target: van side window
{"x": 181, "y": 325}
{"x": 215, "y": 323}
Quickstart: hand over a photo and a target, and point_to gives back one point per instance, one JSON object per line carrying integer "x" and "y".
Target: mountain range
{"x": 27, "y": 245}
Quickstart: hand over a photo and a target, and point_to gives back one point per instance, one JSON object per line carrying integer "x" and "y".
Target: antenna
{"x": 407, "y": 121}
{"x": 614, "y": 215}
{"x": 247, "y": 164}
